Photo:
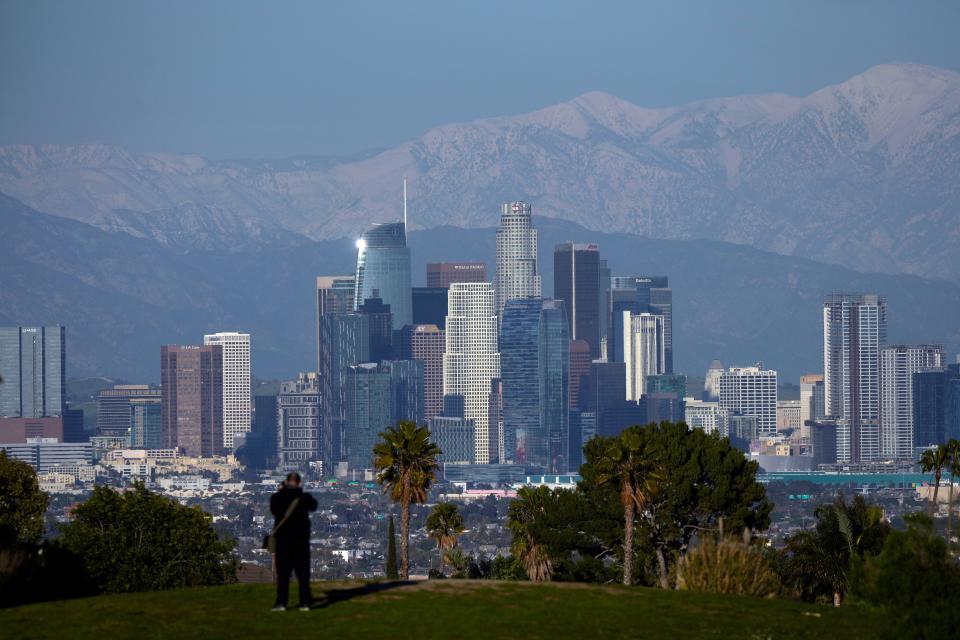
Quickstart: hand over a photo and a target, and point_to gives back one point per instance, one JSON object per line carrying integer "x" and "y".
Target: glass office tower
{"x": 534, "y": 370}
{"x": 32, "y": 364}
{"x": 383, "y": 270}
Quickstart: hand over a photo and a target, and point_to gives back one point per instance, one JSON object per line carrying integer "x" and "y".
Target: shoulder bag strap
{"x": 286, "y": 516}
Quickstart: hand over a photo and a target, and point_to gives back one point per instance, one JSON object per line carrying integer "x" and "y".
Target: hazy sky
{"x": 267, "y": 79}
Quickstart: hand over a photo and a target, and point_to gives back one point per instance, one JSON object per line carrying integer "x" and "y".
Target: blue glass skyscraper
{"x": 534, "y": 370}
{"x": 383, "y": 270}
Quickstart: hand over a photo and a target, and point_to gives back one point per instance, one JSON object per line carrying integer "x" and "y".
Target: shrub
{"x": 729, "y": 565}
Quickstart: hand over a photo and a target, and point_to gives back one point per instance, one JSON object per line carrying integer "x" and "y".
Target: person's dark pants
{"x": 295, "y": 558}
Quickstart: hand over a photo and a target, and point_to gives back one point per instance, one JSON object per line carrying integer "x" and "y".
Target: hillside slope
{"x": 438, "y": 610}
{"x": 864, "y": 174}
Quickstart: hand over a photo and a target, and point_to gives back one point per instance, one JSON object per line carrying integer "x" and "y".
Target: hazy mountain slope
{"x": 865, "y": 174}
{"x": 122, "y": 297}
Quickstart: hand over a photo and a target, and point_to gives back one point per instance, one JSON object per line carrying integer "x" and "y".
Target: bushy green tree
{"x": 141, "y": 541}
{"x": 704, "y": 479}
{"x": 916, "y": 580}
{"x": 22, "y": 503}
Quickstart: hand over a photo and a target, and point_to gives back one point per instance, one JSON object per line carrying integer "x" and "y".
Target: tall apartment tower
{"x": 426, "y": 345}
{"x": 576, "y": 281}
{"x": 470, "y": 359}
{"x": 644, "y": 351}
{"x": 299, "y": 422}
{"x": 517, "y": 275}
{"x": 443, "y": 274}
{"x": 33, "y": 368}
{"x": 334, "y": 295}
{"x": 383, "y": 270}
{"x": 751, "y": 391}
{"x": 191, "y": 382}
{"x": 898, "y": 364}
{"x": 237, "y": 414}
{"x": 854, "y": 331}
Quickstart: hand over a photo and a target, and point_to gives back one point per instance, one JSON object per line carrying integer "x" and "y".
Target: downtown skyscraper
{"x": 470, "y": 359}
{"x": 236, "y": 383}
{"x": 576, "y": 281}
{"x": 854, "y": 331}
{"x": 191, "y": 382}
{"x": 534, "y": 370}
{"x": 517, "y": 275}
{"x": 33, "y": 367}
{"x": 644, "y": 351}
{"x": 383, "y": 270}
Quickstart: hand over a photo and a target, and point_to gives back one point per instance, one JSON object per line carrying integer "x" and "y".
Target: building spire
{"x": 404, "y": 208}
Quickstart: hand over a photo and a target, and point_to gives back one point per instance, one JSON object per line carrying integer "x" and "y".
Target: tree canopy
{"x": 141, "y": 541}
{"x": 22, "y": 503}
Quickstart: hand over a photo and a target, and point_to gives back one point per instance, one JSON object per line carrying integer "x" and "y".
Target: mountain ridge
{"x": 864, "y": 174}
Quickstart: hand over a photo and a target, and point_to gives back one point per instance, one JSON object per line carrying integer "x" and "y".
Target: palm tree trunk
{"x": 936, "y": 489}
{"x": 405, "y": 539}
{"x": 950, "y": 515}
{"x": 628, "y": 515}
{"x": 662, "y": 569}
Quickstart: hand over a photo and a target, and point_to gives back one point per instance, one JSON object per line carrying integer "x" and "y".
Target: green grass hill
{"x": 438, "y": 609}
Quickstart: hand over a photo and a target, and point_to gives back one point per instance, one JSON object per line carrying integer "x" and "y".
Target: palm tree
{"x": 444, "y": 525}
{"x": 625, "y": 462}
{"x": 934, "y": 460}
{"x": 523, "y": 517}
{"x": 953, "y": 465}
{"x": 406, "y": 462}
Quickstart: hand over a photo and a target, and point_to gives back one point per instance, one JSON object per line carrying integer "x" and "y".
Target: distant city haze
{"x": 254, "y": 80}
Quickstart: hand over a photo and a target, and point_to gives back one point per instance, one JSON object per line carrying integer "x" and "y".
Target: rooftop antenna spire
{"x": 404, "y": 208}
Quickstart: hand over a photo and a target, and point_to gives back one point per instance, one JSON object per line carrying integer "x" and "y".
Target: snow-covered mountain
{"x": 865, "y": 174}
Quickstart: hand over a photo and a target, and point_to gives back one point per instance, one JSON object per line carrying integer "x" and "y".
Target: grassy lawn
{"x": 436, "y": 609}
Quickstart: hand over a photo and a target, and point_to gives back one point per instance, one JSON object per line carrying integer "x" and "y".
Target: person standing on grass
{"x": 291, "y": 508}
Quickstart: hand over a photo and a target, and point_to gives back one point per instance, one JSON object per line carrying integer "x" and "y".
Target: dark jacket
{"x": 296, "y": 530}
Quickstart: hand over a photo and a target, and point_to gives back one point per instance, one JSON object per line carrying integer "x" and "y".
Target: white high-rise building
{"x": 854, "y": 331}
{"x": 702, "y": 414}
{"x": 470, "y": 359}
{"x": 517, "y": 275}
{"x": 898, "y": 363}
{"x": 644, "y": 350}
{"x": 751, "y": 391}
{"x": 236, "y": 382}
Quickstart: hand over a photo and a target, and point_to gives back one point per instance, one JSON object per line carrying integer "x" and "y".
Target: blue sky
{"x": 271, "y": 79}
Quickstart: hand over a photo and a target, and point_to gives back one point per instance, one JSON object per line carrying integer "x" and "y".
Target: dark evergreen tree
{"x": 392, "y": 573}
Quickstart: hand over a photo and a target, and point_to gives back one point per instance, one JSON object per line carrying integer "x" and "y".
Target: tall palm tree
{"x": 953, "y": 465}
{"x": 406, "y": 462}
{"x": 444, "y": 525}
{"x": 934, "y": 460}
{"x": 522, "y": 520}
{"x": 625, "y": 462}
